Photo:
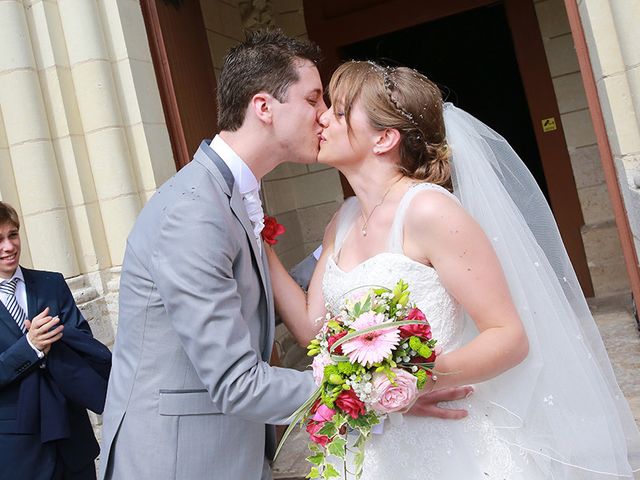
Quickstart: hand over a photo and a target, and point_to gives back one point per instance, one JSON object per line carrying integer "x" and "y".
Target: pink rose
{"x": 422, "y": 330}
{"x": 349, "y": 403}
{"x": 323, "y": 414}
{"x": 312, "y": 429}
{"x": 391, "y": 397}
{"x": 319, "y": 362}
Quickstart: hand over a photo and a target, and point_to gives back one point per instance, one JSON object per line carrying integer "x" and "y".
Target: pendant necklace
{"x": 366, "y": 220}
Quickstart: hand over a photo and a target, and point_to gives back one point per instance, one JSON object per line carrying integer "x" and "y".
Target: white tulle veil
{"x": 562, "y": 405}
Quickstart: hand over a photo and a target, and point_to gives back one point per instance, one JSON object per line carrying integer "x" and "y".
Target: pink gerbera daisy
{"x": 371, "y": 347}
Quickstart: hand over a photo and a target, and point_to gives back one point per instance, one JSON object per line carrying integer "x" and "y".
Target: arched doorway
{"x": 488, "y": 57}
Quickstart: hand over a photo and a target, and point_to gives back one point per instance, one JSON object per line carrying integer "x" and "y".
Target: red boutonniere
{"x": 271, "y": 230}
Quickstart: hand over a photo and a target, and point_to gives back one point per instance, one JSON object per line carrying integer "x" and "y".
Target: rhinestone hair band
{"x": 389, "y": 86}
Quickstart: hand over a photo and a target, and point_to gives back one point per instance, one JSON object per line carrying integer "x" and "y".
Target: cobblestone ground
{"x": 622, "y": 341}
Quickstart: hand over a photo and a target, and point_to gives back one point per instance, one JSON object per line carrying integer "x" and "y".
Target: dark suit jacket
{"x": 23, "y": 455}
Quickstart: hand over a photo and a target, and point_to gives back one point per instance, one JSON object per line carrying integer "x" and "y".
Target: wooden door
{"x": 184, "y": 70}
{"x": 331, "y": 24}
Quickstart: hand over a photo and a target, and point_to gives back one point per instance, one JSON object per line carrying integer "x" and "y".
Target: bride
{"x": 444, "y": 203}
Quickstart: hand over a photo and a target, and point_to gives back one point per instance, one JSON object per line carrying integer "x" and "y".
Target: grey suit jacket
{"x": 190, "y": 389}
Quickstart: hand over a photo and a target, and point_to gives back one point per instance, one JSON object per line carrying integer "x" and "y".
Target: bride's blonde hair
{"x": 405, "y": 100}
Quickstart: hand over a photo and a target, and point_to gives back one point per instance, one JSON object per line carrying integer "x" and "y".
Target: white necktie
{"x": 14, "y": 308}
{"x": 253, "y": 204}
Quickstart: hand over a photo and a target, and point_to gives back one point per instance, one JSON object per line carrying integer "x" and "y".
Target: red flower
{"x": 271, "y": 230}
{"x": 422, "y": 330}
{"x": 313, "y": 428}
{"x": 315, "y": 406}
{"x": 333, "y": 339}
{"x": 419, "y": 359}
{"x": 349, "y": 403}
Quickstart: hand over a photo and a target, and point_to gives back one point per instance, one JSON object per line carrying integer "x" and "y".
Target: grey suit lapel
{"x": 237, "y": 206}
{"x": 203, "y": 154}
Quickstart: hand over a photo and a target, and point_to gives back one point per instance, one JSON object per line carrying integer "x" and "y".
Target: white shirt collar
{"x": 242, "y": 174}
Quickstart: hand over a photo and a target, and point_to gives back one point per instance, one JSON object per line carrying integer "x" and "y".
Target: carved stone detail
{"x": 257, "y": 14}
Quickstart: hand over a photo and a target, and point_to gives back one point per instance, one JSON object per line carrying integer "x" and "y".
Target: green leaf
{"x": 314, "y": 447}
{"x": 415, "y": 343}
{"x": 367, "y": 304}
{"x": 315, "y": 459}
{"x": 330, "y": 472}
{"x": 425, "y": 351}
{"x": 329, "y": 429}
{"x": 338, "y": 447}
{"x": 404, "y": 299}
{"x": 421, "y": 375}
{"x": 313, "y": 473}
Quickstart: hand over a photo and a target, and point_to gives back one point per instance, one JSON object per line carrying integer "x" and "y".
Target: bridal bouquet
{"x": 370, "y": 359}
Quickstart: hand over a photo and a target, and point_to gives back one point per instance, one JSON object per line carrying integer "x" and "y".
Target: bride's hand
{"x": 427, "y": 405}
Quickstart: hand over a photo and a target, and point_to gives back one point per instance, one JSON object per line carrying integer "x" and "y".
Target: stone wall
{"x": 601, "y": 240}
{"x": 613, "y": 38}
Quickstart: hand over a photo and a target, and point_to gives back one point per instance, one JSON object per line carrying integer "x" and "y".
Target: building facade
{"x": 95, "y": 115}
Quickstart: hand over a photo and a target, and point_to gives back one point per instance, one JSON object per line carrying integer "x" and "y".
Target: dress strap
{"x": 346, "y": 217}
{"x": 396, "y": 235}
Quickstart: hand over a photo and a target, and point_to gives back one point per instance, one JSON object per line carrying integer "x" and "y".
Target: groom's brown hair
{"x": 264, "y": 62}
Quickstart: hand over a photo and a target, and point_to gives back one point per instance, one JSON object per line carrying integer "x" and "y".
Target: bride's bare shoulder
{"x": 435, "y": 209}
{"x": 432, "y": 203}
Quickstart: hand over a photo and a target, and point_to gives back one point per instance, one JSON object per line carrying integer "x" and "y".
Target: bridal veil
{"x": 562, "y": 405}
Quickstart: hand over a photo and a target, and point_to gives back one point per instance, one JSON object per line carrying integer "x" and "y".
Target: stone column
{"x": 31, "y": 160}
{"x": 101, "y": 121}
{"x": 612, "y": 35}
{"x": 83, "y": 140}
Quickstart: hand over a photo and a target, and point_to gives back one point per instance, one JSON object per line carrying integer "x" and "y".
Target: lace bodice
{"x": 385, "y": 269}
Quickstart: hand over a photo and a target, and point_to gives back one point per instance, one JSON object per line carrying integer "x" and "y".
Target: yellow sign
{"x": 549, "y": 124}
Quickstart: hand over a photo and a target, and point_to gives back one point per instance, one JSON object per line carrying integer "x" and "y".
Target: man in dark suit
{"x": 45, "y": 431}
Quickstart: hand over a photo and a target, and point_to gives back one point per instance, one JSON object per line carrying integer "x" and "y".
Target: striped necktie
{"x": 12, "y": 304}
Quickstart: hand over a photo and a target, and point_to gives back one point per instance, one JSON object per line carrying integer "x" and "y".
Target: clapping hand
{"x": 43, "y": 330}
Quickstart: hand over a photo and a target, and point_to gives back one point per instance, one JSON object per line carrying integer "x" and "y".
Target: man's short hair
{"x": 264, "y": 62}
{"x": 8, "y": 214}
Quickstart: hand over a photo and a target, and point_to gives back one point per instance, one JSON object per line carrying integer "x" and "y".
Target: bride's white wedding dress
{"x": 560, "y": 413}
{"x": 420, "y": 448}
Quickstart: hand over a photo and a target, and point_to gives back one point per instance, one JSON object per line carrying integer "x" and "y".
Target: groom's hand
{"x": 427, "y": 405}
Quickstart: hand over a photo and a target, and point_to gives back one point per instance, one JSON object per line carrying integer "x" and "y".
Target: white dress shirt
{"x": 21, "y": 298}
{"x": 248, "y": 184}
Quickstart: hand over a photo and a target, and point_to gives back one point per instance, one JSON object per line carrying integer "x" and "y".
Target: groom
{"x": 190, "y": 390}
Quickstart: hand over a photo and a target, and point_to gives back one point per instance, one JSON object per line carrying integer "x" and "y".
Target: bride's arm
{"x": 441, "y": 233}
{"x": 299, "y": 311}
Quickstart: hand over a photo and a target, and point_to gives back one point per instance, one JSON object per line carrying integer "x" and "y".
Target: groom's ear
{"x": 261, "y": 106}
{"x": 386, "y": 141}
